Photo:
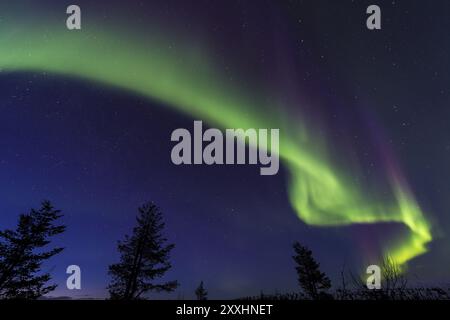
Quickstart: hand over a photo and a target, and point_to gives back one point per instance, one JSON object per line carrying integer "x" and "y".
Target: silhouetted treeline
{"x": 418, "y": 293}
{"x": 277, "y": 296}
{"x": 145, "y": 258}
{"x": 315, "y": 285}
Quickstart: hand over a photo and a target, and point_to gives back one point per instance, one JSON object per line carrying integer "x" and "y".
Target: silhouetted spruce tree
{"x": 144, "y": 258}
{"x": 313, "y": 282}
{"x": 201, "y": 293}
{"x": 22, "y": 254}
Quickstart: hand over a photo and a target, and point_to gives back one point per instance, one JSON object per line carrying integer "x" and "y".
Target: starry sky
{"x": 364, "y": 136}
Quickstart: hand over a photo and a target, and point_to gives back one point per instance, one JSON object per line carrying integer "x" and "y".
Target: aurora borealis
{"x": 183, "y": 70}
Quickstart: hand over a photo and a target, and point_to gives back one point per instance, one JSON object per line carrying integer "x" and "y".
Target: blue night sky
{"x": 98, "y": 152}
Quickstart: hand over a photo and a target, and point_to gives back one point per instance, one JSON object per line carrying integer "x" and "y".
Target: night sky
{"x": 86, "y": 119}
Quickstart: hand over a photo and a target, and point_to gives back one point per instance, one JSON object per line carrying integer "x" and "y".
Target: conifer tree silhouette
{"x": 201, "y": 293}
{"x": 144, "y": 258}
{"x": 22, "y": 254}
{"x": 313, "y": 282}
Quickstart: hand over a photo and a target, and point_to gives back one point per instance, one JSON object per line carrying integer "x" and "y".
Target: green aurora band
{"x": 188, "y": 80}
